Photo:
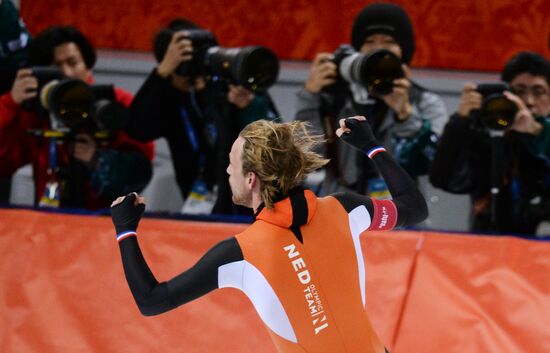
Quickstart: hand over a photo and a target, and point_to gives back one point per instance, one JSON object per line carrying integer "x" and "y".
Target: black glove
{"x": 360, "y": 136}
{"x": 126, "y": 215}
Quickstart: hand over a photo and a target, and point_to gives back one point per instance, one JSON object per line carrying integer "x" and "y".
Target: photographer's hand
{"x": 179, "y": 50}
{"x": 524, "y": 121}
{"x": 470, "y": 100}
{"x": 126, "y": 212}
{"x": 240, "y": 96}
{"x": 398, "y": 99}
{"x": 85, "y": 148}
{"x": 24, "y": 87}
{"x": 323, "y": 73}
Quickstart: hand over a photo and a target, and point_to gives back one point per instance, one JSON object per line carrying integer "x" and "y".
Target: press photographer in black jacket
{"x": 506, "y": 168}
{"x": 199, "y": 118}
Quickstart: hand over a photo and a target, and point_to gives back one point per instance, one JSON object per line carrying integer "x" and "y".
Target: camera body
{"x": 497, "y": 112}
{"x": 253, "y": 67}
{"x": 375, "y": 71}
{"x": 43, "y": 75}
{"x": 202, "y": 41}
{"x": 76, "y": 106}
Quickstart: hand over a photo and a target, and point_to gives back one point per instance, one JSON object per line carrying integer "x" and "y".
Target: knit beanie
{"x": 384, "y": 18}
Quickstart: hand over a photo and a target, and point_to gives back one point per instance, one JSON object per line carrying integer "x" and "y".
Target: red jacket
{"x": 18, "y": 148}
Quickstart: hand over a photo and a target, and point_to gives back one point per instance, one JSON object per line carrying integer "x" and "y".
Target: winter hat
{"x": 384, "y": 18}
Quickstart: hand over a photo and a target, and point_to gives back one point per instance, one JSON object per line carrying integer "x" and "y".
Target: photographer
{"x": 475, "y": 156}
{"x": 76, "y": 170}
{"x": 198, "y": 117}
{"x": 405, "y": 116}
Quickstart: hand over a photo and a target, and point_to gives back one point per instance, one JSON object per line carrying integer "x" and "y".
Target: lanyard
{"x": 53, "y": 153}
{"x": 189, "y": 128}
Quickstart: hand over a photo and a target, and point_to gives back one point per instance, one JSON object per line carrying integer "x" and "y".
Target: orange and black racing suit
{"x": 300, "y": 264}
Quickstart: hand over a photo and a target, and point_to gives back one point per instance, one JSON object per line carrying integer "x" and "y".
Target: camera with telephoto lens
{"x": 77, "y": 106}
{"x": 253, "y": 67}
{"x": 497, "y": 112}
{"x": 375, "y": 71}
{"x": 43, "y": 75}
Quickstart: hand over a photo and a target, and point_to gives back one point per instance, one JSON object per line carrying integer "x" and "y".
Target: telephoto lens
{"x": 375, "y": 71}
{"x": 109, "y": 115}
{"x": 497, "y": 112}
{"x": 253, "y": 67}
{"x": 70, "y": 101}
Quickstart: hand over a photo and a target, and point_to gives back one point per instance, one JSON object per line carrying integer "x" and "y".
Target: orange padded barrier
{"x": 63, "y": 290}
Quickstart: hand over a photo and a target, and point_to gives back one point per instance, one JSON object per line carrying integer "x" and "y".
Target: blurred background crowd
{"x": 75, "y": 135}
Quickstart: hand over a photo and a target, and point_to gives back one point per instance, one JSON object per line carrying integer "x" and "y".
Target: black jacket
{"x": 158, "y": 111}
{"x": 462, "y": 165}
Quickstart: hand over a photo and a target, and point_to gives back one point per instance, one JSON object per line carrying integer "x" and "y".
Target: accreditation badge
{"x": 50, "y": 198}
{"x": 200, "y": 200}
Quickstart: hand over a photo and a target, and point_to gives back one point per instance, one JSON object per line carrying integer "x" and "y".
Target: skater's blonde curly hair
{"x": 281, "y": 155}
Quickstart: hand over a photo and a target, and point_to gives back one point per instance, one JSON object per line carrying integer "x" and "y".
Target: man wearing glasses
{"x": 507, "y": 172}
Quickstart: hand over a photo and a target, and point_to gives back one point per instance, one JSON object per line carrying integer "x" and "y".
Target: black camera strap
{"x": 497, "y": 167}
